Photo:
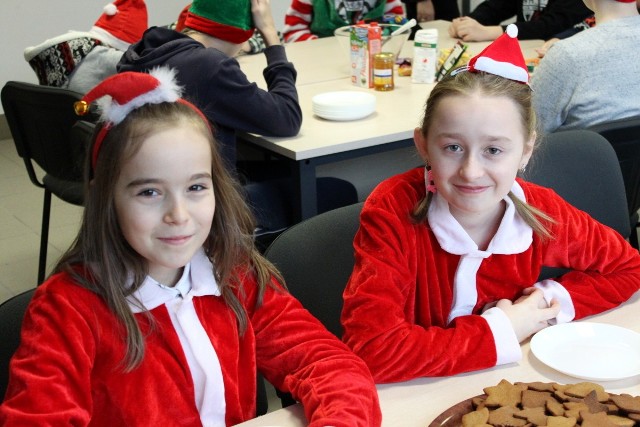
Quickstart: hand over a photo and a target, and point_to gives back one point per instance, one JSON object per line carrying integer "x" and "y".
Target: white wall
{"x": 26, "y": 23}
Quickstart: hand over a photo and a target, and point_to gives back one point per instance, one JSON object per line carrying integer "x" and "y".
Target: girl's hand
{"x": 470, "y": 30}
{"x": 529, "y": 313}
{"x": 263, "y": 20}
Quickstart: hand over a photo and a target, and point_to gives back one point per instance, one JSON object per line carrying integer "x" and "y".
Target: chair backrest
{"x": 581, "y": 166}
{"x": 40, "y": 119}
{"x": 315, "y": 257}
{"x": 624, "y": 136}
{"x": 11, "y": 315}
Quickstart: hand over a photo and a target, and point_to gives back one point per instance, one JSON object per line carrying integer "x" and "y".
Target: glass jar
{"x": 383, "y": 71}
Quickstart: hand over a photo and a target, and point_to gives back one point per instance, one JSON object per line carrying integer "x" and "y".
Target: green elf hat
{"x": 228, "y": 20}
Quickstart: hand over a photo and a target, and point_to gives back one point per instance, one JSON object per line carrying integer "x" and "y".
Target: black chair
{"x": 624, "y": 136}
{"x": 582, "y": 167}
{"x": 315, "y": 257}
{"x": 40, "y": 119}
{"x": 11, "y": 315}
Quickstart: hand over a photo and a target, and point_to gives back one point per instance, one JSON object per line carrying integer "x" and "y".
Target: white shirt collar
{"x": 514, "y": 235}
{"x": 197, "y": 279}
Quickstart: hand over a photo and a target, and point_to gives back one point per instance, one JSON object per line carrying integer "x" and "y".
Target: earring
{"x": 428, "y": 179}
{"x": 523, "y": 168}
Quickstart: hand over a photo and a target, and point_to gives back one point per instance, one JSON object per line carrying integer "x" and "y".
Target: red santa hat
{"x": 503, "y": 58}
{"x": 120, "y": 94}
{"x": 122, "y": 23}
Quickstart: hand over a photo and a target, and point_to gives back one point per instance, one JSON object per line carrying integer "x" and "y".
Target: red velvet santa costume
{"x": 413, "y": 306}
{"x": 198, "y": 369}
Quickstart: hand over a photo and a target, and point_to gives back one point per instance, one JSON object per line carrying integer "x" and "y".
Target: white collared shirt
{"x": 197, "y": 280}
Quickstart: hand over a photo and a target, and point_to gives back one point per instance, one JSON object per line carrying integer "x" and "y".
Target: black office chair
{"x": 624, "y": 136}
{"x": 582, "y": 167}
{"x": 40, "y": 119}
{"x": 11, "y": 315}
{"x": 315, "y": 257}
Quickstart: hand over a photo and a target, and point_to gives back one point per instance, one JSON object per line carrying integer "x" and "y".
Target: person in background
{"x": 310, "y": 19}
{"x": 576, "y": 86}
{"x": 429, "y": 10}
{"x": 535, "y": 20}
{"x": 254, "y": 45}
{"x": 162, "y": 310}
{"x": 80, "y": 60}
{"x": 585, "y": 24}
{"x": 447, "y": 256}
{"x": 204, "y": 56}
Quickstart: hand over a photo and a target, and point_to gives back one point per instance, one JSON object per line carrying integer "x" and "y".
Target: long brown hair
{"x": 465, "y": 84}
{"x": 100, "y": 259}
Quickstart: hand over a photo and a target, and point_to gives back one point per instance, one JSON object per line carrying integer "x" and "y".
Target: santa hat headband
{"x": 229, "y": 20}
{"x": 120, "y": 94}
{"x": 123, "y": 22}
{"x": 502, "y": 58}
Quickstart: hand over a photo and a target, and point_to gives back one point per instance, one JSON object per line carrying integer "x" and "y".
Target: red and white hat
{"x": 122, "y": 23}
{"x": 503, "y": 58}
{"x": 120, "y": 94}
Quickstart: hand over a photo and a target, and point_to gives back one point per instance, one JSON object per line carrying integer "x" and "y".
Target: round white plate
{"x": 591, "y": 351}
{"x": 343, "y": 105}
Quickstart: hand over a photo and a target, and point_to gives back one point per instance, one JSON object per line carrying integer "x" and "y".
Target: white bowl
{"x": 343, "y": 105}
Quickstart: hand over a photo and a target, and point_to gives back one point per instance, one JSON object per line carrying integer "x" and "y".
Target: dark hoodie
{"x": 215, "y": 83}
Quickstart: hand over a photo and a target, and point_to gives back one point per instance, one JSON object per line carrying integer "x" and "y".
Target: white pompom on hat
{"x": 120, "y": 94}
{"x": 503, "y": 57}
{"x": 122, "y": 22}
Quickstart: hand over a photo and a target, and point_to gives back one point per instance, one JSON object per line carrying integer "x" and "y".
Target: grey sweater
{"x": 589, "y": 78}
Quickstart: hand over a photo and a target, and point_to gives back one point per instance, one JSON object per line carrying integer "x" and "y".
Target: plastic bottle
{"x": 425, "y": 56}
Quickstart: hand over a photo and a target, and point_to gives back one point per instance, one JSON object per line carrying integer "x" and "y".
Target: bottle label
{"x": 382, "y": 72}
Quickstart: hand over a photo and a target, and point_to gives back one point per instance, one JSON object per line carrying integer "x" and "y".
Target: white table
{"x": 322, "y": 67}
{"x": 418, "y": 402}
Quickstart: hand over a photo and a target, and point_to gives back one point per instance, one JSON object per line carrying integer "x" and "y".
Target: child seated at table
{"x": 535, "y": 20}
{"x": 310, "y": 19}
{"x": 574, "y": 86}
{"x": 447, "y": 257}
{"x": 162, "y": 311}
{"x": 79, "y": 60}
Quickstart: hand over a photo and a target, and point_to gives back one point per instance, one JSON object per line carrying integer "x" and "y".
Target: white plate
{"x": 591, "y": 351}
{"x": 343, "y": 105}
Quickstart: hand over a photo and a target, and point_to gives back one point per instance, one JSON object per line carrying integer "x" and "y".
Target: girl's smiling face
{"x": 475, "y": 146}
{"x": 164, "y": 199}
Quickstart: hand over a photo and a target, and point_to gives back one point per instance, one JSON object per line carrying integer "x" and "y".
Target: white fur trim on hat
{"x": 167, "y": 91}
{"x": 504, "y": 69}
